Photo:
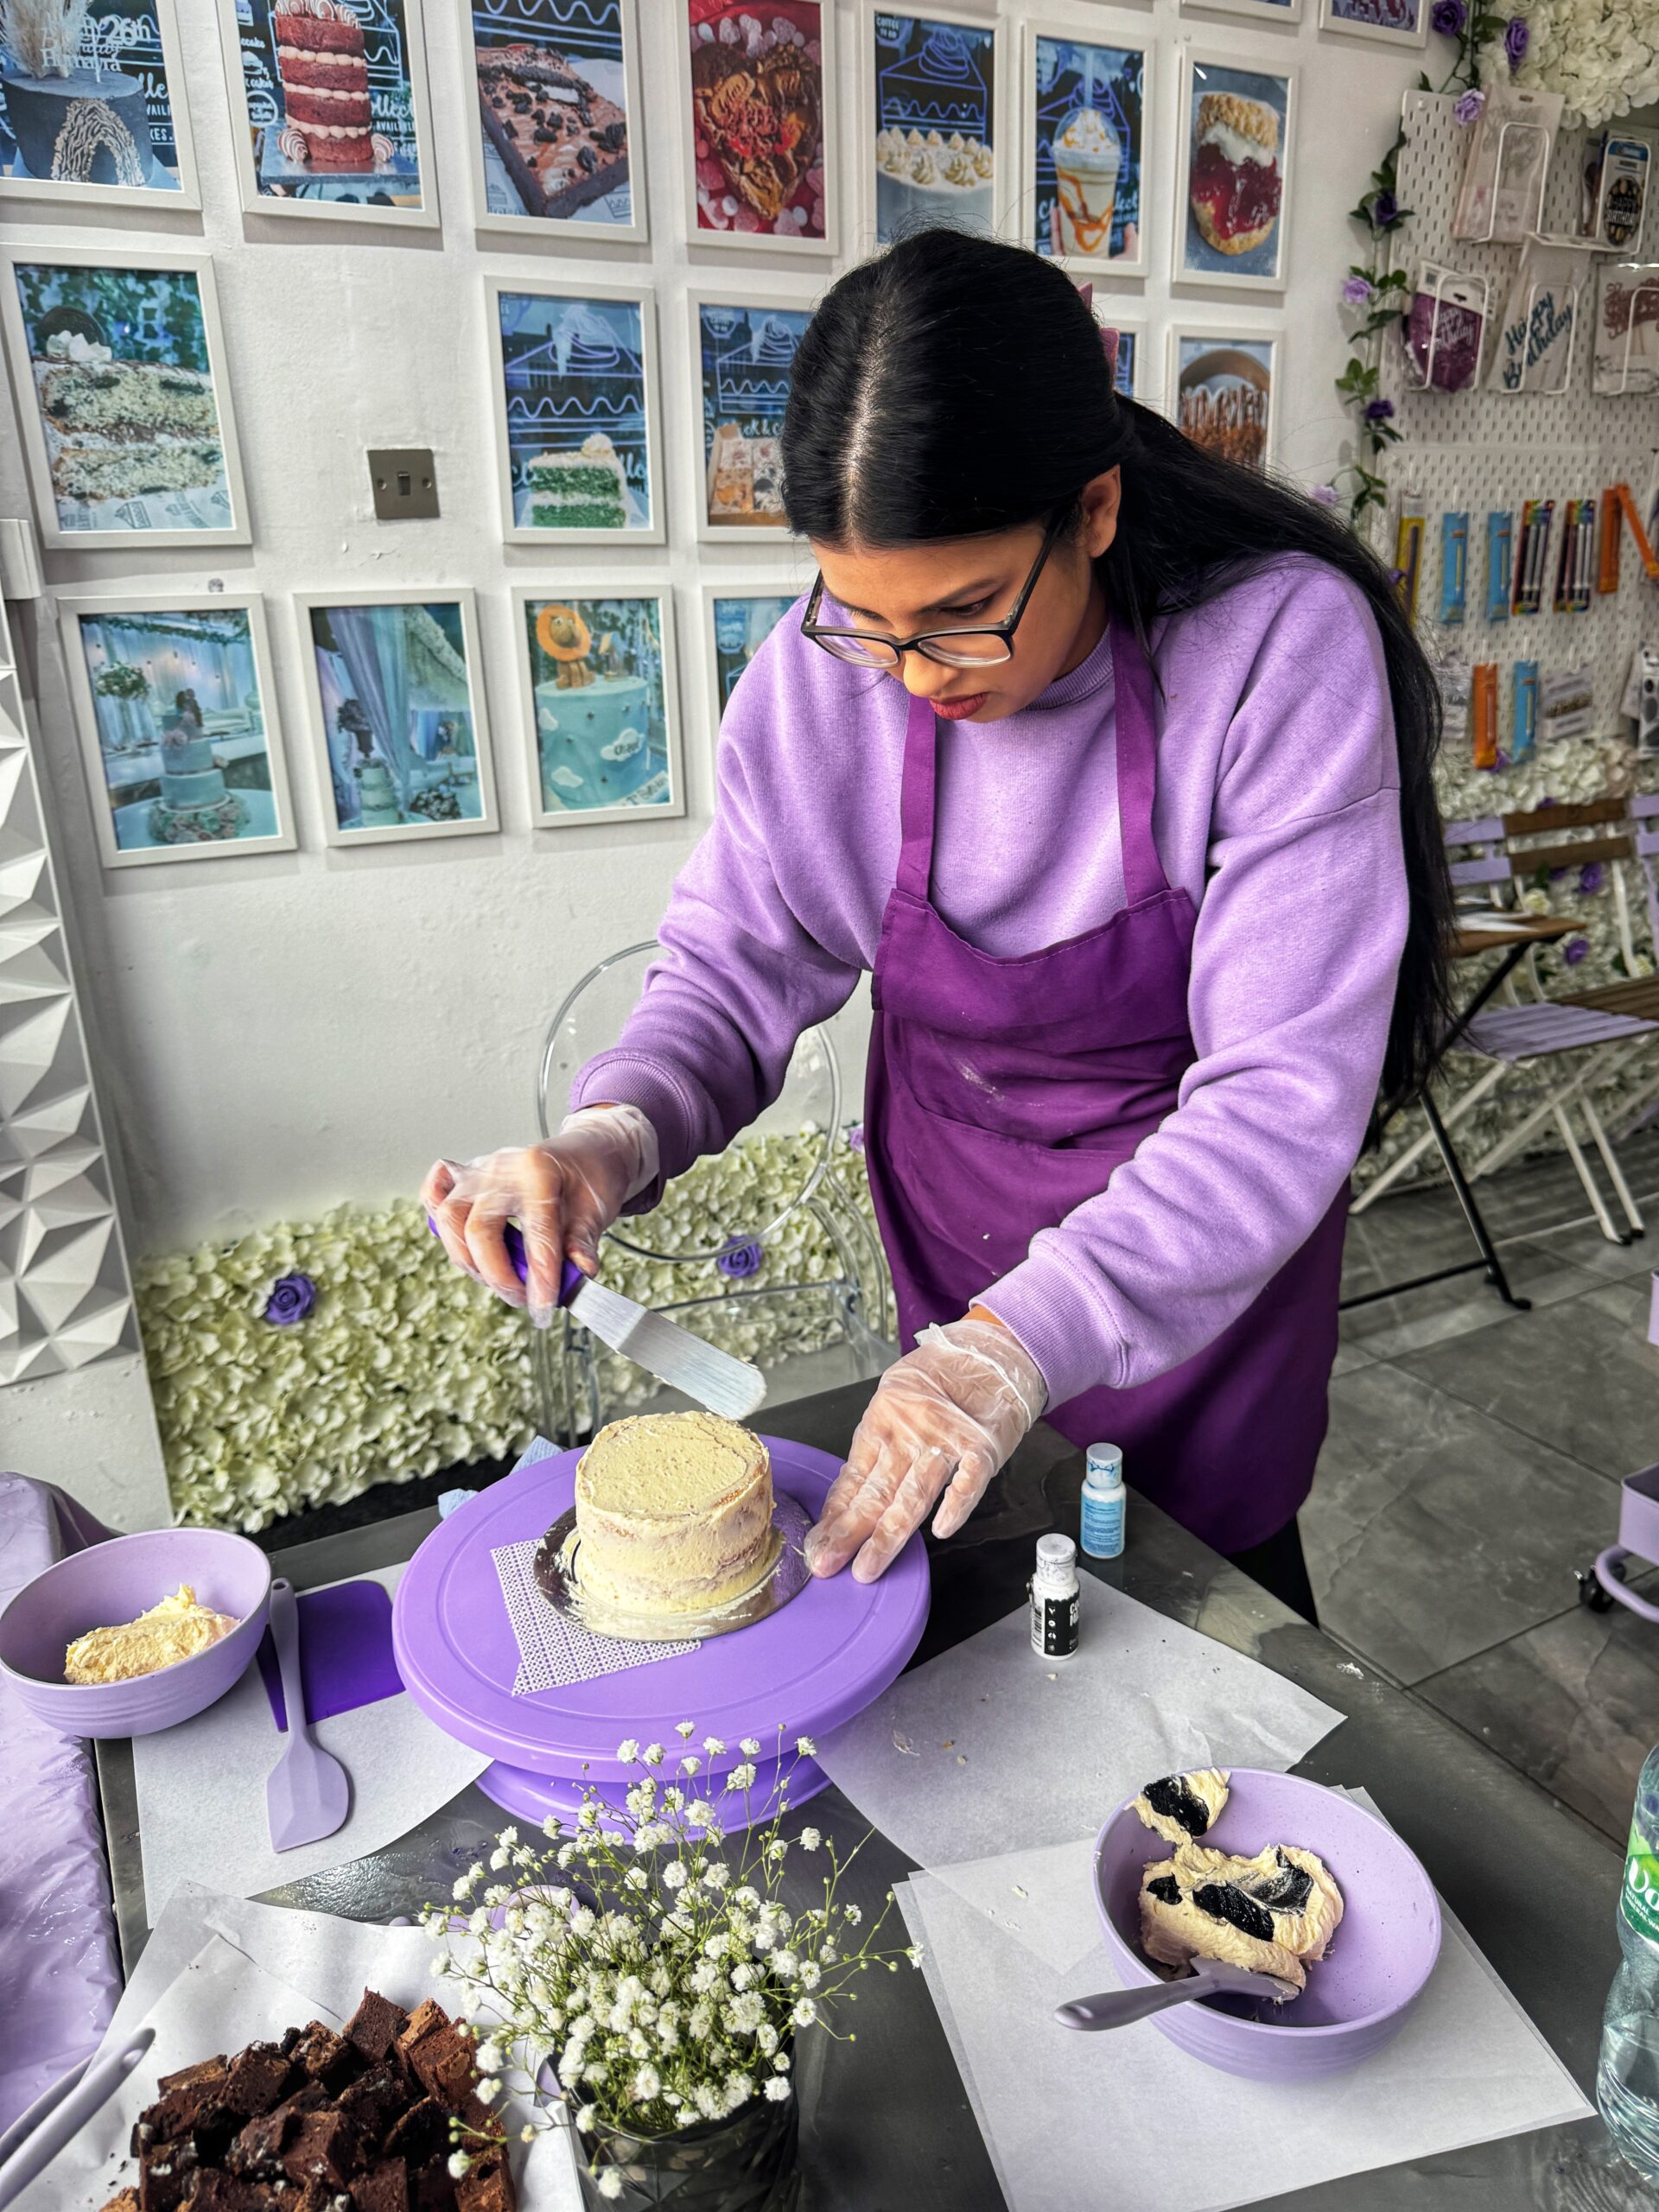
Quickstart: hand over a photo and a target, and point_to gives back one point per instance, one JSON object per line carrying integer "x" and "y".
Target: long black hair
{"x": 955, "y": 386}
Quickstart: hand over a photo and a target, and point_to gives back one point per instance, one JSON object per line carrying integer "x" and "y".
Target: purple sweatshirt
{"x": 1277, "y": 810}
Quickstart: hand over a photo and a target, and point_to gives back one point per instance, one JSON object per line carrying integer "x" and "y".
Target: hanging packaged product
{"x": 1453, "y": 677}
{"x": 1641, "y": 700}
{"x": 1409, "y": 553}
{"x": 1572, "y": 562}
{"x": 1626, "y": 355}
{"x": 1454, "y": 566}
{"x": 1483, "y": 713}
{"x": 1617, "y": 167}
{"x": 1534, "y": 351}
{"x": 1639, "y": 537}
{"x": 1612, "y": 529}
{"x": 1532, "y": 557}
{"x": 1566, "y": 702}
{"x": 1524, "y": 734}
{"x": 1500, "y": 530}
{"x": 1445, "y": 326}
{"x": 1502, "y": 195}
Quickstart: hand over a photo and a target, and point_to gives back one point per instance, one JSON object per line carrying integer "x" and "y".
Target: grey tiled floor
{"x": 1473, "y": 1464}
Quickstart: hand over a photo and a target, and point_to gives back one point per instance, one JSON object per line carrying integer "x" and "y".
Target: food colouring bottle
{"x": 1055, "y": 1599}
{"x": 1103, "y": 1502}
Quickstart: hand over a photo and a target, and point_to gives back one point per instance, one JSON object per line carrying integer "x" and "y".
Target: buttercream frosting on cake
{"x": 673, "y": 1513}
{"x": 1270, "y": 1913}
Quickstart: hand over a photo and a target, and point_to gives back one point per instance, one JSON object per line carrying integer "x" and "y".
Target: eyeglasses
{"x": 965, "y": 648}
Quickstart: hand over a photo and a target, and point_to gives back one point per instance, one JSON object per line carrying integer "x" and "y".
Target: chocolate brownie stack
{"x": 321, "y": 2122}
{"x": 562, "y": 142}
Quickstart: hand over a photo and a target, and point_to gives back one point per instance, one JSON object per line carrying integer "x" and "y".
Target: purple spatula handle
{"x": 571, "y": 1277}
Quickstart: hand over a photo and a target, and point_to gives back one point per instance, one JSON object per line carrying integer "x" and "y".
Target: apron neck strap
{"x": 916, "y": 799}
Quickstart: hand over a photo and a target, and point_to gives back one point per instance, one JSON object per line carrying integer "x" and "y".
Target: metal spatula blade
{"x": 1117, "y": 2008}
{"x": 308, "y": 1792}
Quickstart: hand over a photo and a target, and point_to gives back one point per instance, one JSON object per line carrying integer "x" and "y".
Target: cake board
{"x": 806, "y": 1668}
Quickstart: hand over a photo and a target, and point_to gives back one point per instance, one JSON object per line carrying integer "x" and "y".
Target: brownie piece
{"x": 208, "y": 2071}
{"x": 487, "y": 2186}
{"x": 325, "y": 2146}
{"x": 434, "y": 2191}
{"x": 165, "y": 2172}
{"x": 221, "y": 2192}
{"x": 259, "y": 2148}
{"x": 376, "y": 2025}
{"x": 422, "y": 2133}
{"x": 384, "y": 2188}
{"x": 126, "y": 2199}
{"x": 180, "y": 2113}
{"x": 257, "y": 2079}
{"x": 375, "y": 2099}
{"x": 440, "y": 2052}
{"x": 325, "y": 2057}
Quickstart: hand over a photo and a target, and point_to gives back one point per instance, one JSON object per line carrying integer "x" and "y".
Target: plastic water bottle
{"x": 1627, "y": 2079}
{"x": 1103, "y": 1501}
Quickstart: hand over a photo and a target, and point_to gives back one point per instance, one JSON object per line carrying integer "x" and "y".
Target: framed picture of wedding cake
{"x": 739, "y": 615}
{"x": 178, "y": 728}
{"x": 1221, "y": 390}
{"x": 328, "y": 108}
{"x": 930, "y": 122}
{"x": 117, "y": 359}
{"x": 744, "y": 354}
{"x": 759, "y": 123}
{"x": 601, "y": 702}
{"x": 92, "y": 111}
{"x": 558, "y": 146}
{"x": 1083, "y": 102}
{"x": 1233, "y": 173}
{"x": 577, "y": 421}
{"x": 400, "y": 737}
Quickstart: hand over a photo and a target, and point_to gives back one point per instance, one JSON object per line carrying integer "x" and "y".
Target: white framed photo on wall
{"x": 577, "y": 413}
{"x": 118, "y": 360}
{"x": 740, "y": 613}
{"x": 743, "y": 346}
{"x": 932, "y": 127}
{"x": 759, "y": 130}
{"x": 1221, "y": 389}
{"x": 1085, "y": 102}
{"x": 1129, "y": 362}
{"x": 1261, "y": 11}
{"x": 1235, "y": 161}
{"x": 557, "y": 130}
{"x": 400, "y": 737}
{"x": 178, "y": 725}
{"x": 600, "y": 706}
{"x": 92, "y": 111}
{"x": 1390, "y": 23}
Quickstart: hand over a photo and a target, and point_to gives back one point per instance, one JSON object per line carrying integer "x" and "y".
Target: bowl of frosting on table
{"x": 138, "y": 1633}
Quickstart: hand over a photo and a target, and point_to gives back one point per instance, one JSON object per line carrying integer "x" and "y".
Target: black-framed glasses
{"x": 979, "y": 646}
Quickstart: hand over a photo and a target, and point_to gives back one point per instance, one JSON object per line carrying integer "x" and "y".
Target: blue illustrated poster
{"x": 553, "y": 98}
{"x": 576, "y": 405}
{"x": 745, "y": 356}
{"x": 100, "y": 116}
{"x": 935, "y": 126}
{"x": 331, "y": 104}
{"x": 1087, "y": 151}
{"x": 742, "y": 625}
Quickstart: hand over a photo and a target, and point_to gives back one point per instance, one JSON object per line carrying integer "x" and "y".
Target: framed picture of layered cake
{"x": 118, "y": 362}
{"x": 739, "y": 615}
{"x": 178, "y": 728}
{"x": 1083, "y": 102}
{"x": 1234, "y": 152}
{"x": 558, "y": 144}
{"x": 93, "y": 111}
{"x": 758, "y": 123}
{"x": 1221, "y": 387}
{"x": 400, "y": 736}
{"x": 328, "y": 109}
{"x": 932, "y": 125}
{"x": 577, "y": 419}
{"x": 601, "y": 702}
{"x": 744, "y": 353}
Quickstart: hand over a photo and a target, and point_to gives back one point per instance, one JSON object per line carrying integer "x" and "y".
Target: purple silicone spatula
{"x": 308, "y": 1792}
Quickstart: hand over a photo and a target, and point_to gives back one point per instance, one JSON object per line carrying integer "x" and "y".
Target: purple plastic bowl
{"x": 115, "y": 1582}
{"x": 1359, "y": 1998}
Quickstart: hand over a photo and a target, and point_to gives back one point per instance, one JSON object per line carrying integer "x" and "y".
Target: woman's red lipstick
{"x": 957, "y": 710}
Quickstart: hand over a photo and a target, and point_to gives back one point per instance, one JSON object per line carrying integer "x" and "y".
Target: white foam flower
{"x": 742, "y": 1777}
{"x": 460, "y": 2165}
{"x": 684, "y": 1727}
{"x": 806, "y": 1748}
{"x": 804, "y": 2014}
{"x": 852, "y": 1915}
{"x": 809, "y": 1839}
{"x": 489, "y": 2058}
{"x": 653, "y": 1755}
{"x": 462, "y": 1888}
{"x": 674, "y": 1875}
{"x": 751, "y": 1746}
{"x": 628, "y": 1750}
{"x": 777, "y": 2090}
{"x": 489, "y": 2090}
{"x": 609, "y": 2184}
{"x": 713, "y": 1745}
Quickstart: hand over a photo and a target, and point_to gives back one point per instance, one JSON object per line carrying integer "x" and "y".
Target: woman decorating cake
{"x": 1110, "y": 762}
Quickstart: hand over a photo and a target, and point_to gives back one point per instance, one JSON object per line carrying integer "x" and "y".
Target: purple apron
{"x": 1002, "y": 1093}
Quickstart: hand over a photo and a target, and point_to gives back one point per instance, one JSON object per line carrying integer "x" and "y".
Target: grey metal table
{"x": 889, "y": 2126}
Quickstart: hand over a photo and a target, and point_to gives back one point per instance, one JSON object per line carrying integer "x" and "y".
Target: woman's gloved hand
{"x": 563, "y": 1194}
{"x": 943, "y": 1418}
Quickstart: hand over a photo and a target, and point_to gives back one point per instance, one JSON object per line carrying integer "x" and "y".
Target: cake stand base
{"x": 532, "y": 1796}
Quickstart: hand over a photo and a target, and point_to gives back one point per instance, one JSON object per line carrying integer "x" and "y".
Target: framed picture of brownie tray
{"x": 178, "y": 729}
{"x": 601, "y": 702}
{"x": 558, "y": 146}
{"x": 759, "y": 122}
{"x": 576, "y": 415}
{"x": 1083, "y": 102}
{"x": 93, "y": 111}
{"x": 118, "y": 363}
{"x": 328, "y": 109}
{"x": 1221, "y": 390}
{"x": 930, "y": 123}
{"x": 399, "y": 734}
{"x": 1233, "y": 182}
{"x": 744, "y": 354}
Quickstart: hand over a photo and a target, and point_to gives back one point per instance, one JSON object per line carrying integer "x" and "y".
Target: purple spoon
{"x": 308, "y": 1792}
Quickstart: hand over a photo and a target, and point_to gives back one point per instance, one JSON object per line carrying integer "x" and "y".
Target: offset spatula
{"x": 1117, "y": 2008}
{"x": 308, "y": 1792}
{"x": 709, "y": 1376}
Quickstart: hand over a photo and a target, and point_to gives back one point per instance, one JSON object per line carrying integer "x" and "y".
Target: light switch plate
{"x": 404, "y": 482}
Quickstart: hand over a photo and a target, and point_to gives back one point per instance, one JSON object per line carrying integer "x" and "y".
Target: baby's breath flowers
{"x": 641, "y": 1974}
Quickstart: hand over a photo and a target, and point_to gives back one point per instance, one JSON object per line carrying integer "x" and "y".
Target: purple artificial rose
{"x": 741, "y": 1258}
{"x": 1516, "y": 39}
{"x": 1379, "y": 411}
{"x": 1323, "y": 495}
{"x": 1591, "y": 875}
{"x": 1355, "y": 291}
{"x": 291, "y": 1299}
{"x": 1385, "y": 211}
{"x": 1448, "y": 17}
{"x": 1577, "y": 950}
{"x": 855, "y": 1137}
{"x": 1470, "y": 105}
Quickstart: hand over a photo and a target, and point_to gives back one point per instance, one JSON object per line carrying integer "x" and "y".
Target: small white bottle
{"x": 1054, "y": 1600}
{"x": 1103, "y": 1502}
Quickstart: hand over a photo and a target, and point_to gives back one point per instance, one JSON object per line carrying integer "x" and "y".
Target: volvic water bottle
{"x": 1627, "y": 2079}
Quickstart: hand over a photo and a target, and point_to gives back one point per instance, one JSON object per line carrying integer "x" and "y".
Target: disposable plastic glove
{"x": 563, "y": 1194}
{"x": 943, "y": 1419}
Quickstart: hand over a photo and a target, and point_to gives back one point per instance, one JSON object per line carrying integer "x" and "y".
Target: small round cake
{"x": 673, "y": 1514}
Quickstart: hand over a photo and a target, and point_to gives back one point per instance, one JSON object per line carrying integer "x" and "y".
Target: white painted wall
{"x": 281, "y": 1034}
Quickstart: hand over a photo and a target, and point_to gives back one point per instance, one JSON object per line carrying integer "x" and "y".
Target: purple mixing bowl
{"x": 112, "y": 1583}
{"x": 1357, "y": 1997}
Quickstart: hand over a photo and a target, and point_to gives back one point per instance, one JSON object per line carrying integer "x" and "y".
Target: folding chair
{"x": 1634, "y": 994}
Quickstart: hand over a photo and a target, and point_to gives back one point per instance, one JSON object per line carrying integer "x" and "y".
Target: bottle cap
{"x": 1104, "y": 1459}
{"x": 1055, "y": 1551}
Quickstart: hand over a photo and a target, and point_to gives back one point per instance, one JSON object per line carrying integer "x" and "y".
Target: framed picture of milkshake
{"x": 558, "y": 148}
{"x": 92, "y": 111}
{"x": 759, "y": 122}
{"x": 1221, "y": 391}
{"x": 177, "y": 721}
{"x": 1233, "y": 182}
{"x": 744, "y": 354}
{"x": 576, "y": 415}
{"x": 1392, "y": 23}
{"x": 930, "y": 126}
{"x": 401, "y": 739}
{"x": 601, "y": 702}
{"x": 1083, "y": 102}
{"x": 328, "y": 108}
{"x": 116, "y": 359}
{"x": 739, "y": 615}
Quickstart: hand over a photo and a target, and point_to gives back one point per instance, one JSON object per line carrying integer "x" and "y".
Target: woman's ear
{"x": 1100, "y": 497}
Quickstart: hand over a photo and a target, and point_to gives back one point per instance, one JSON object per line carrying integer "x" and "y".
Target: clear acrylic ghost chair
{"x": 856, "y": 1297}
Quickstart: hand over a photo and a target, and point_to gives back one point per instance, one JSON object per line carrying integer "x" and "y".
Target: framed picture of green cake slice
{"x": 576, "y": 414}
{"x": 93, "y": 111}
{"x": 558, "y": 148}
{"x": 178, "y": 728}
{"x": 746, "y": 354}
{"x": 601, "y": 702}
{"x": 328, "y": 109}
{"x": 118, "y": 363}
{"x": 400, "y": 737}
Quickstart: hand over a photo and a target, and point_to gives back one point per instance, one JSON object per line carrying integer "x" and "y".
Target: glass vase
{"x": 746, "y": 2162}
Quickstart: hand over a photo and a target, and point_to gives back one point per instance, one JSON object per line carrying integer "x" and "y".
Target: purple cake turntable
{"x": 807, "y": 1668}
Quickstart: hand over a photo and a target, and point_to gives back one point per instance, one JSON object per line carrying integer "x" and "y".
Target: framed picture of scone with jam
{"x": 744, "y": 355}
{"x": 1220, "y": 390}
{"x": 930, "y": 122}
{"x": 1233, "y": 180}
{"x": 329, "y": 106}
{"x": 758, "y": 96}
{"x": 558, "y": 149}
{"x": 1083, "y": 102}
{"x": 601, "y": 698}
